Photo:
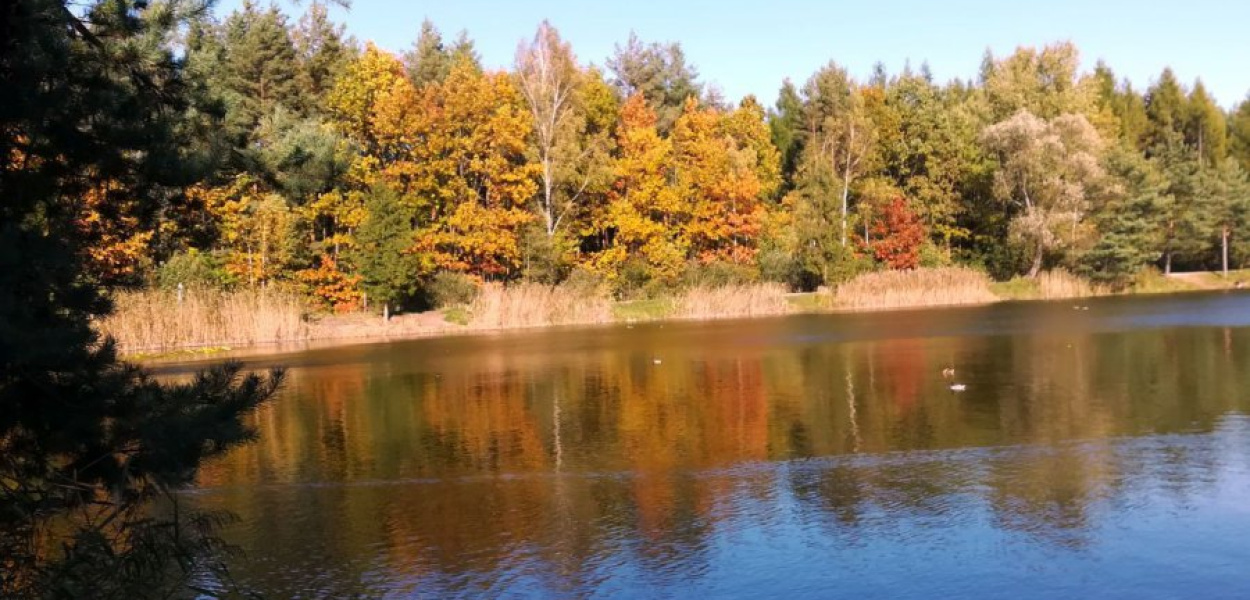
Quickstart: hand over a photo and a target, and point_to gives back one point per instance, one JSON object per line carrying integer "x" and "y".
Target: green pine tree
{"x": 383, "y": 256}
{"x": 89, "y": 443}
{"x": 786, "y": 125}
{"x": 1130, "y": 221}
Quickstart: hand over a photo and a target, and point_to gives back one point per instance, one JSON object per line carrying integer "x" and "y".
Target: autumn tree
{"x": 645, "y": 214}
{"x": 256, "y": 228}
{"x": 352, "y": 102}
{"x": 719, "y": 179}
{"x": 897, "y": 235}
{"x": 469, "y": 178}
{"x": 1048, "y": 173}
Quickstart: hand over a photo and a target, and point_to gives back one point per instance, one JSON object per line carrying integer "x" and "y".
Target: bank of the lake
{"x": 156, "y": 326}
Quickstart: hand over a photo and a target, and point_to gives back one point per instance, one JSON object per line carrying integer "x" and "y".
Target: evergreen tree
{"x": 88, "y": 443}
{"x": 384, "y": 251}
{"x": 659, "y": 72}
{"x": 786, "y": 125}
{"x": 1226, "y": 207}
{"x": 261, "y": 68}
{"x": 1182, "y": 220}
{"x": 428, "y": 61}
{"x": 1123, "y": 103}
{"x": 322, "y": 54}
{"x": 1204, "y": 127}
{"x": 1130, "y": 220}
{"x": 1166, "y": 109}
{"x": 1239, "y": 134}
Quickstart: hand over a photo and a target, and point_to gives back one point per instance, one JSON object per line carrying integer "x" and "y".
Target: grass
{"x": 652, "y": 309}
{"x": 921, "y": 287}
{"x": 807, "y": 302}
{"x": 1017, "y": 288}
{"x": 154, "y": 321}
{"x": 458, "y": 315}
{"x": 180, "y": 353}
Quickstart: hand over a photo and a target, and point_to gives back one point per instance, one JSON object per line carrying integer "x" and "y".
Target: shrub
{"x": 192, "y": 268}
{"x": 452, "y": 289}
{"x": 717, "y": 274}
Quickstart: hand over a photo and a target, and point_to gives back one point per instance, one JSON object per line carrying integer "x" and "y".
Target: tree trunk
{"x": 386, "y": 312}
{"x": 1224, "y": 240}
{"x": 1167, "y": 262}
{"x": 1037, "y": 261}
{"x": 548, "y": 192}
{"x": 846, "y": 191}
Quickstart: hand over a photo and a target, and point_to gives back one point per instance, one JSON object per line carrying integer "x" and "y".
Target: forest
{"x": 349, "y": 174}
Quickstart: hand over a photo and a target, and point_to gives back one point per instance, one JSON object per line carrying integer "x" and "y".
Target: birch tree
{"x": 548, "y": 76}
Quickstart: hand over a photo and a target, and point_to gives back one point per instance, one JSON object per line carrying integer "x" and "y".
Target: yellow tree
{"x": 115, "y": 243}
{"x": 256, "y": 227}
{"x": 460, "y": 160}
{"x": 353, "y": 100}
{"x": 645, "y": 217}
{"x": 721, "y": 186}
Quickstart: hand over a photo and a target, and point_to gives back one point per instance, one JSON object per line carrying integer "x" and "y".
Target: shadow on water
{"x": 1099, "y": 451}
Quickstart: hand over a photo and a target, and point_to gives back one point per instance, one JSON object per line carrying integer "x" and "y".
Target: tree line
{"x": 352, "y": 173}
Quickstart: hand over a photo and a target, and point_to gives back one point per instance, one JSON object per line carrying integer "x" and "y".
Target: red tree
{"x": 897, "y": 236}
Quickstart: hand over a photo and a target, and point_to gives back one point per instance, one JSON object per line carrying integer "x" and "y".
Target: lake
{"x": 1101, "y": 448}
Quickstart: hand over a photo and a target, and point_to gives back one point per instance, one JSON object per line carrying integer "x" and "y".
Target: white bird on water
{"x": 958, "y": 387}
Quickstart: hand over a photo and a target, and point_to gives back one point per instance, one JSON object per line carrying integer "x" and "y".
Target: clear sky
{"x": 749, "y": 47}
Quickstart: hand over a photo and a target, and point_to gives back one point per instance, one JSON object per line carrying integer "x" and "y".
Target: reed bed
{"x": 730, "y": 301}
{"x": 536, "y": 305}
{"x": 1059, "y": 283}
{"x": 916, "y": 288}
{"x": 158, "y": 321}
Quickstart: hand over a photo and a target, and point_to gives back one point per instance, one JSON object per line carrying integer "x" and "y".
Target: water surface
{"x": 1099, "y": 452}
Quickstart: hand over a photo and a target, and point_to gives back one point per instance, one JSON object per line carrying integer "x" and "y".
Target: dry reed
{"x": 155, "y": 321}
{"x": 916, "y": 288}
{"x": 730, "y": 301}
{"x": 1059, "y": 283}
{"x": 536, "y": 305}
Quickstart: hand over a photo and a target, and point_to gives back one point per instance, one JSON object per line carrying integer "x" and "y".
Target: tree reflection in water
{"x": 479, "y": 465}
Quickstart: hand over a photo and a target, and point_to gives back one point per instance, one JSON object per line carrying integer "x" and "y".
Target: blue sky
{"x": 749, "y": 47}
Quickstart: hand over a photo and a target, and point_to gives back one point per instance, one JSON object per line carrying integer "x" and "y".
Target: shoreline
{"x": 407, "y": 327}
